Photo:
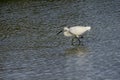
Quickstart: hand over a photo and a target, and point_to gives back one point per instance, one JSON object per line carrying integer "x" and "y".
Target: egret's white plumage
{"x": 75, "y": 31}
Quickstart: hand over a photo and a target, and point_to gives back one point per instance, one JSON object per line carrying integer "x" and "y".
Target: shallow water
{"x": 30, "y": 49}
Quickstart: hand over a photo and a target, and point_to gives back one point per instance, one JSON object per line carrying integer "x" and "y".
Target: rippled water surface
{"x": 30, "y": 49}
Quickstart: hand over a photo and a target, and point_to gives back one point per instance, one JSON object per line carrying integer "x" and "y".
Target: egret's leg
{"x": 74, "y": 39}
{"x": 78, "y": 40}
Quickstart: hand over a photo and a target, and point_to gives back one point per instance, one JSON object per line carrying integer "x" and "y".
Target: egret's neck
{"x": 67, "y": 31}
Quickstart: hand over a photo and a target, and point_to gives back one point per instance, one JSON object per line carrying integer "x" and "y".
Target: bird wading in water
{"x": 76, "y": 32}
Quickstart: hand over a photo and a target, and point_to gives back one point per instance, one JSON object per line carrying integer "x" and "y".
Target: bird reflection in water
{"x": 79, "y": 50}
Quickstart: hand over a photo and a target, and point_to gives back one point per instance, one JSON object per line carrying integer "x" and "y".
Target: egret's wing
{"x": 78, "y": 30}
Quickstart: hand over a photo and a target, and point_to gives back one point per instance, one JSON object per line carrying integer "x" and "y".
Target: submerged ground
{"x": 30, "y": 49}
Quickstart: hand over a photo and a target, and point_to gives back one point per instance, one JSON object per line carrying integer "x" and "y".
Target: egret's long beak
{"x": 59, "y": 32}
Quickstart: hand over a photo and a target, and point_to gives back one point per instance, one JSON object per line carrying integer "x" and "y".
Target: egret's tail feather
{"x": 88, "y": 28}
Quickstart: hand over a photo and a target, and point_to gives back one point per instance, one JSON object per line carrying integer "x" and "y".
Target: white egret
{"x": 75, "y": 32}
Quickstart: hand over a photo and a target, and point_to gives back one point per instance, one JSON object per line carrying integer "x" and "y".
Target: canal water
{"x": 31, "y": 50}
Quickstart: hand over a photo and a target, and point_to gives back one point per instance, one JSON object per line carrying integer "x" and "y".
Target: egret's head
{"x": 66, "y": 29}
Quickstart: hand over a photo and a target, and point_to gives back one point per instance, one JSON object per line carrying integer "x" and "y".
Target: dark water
{"x": 30, "y": 49}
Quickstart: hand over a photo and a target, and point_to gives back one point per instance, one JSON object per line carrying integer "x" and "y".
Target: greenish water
{"x": 30, "y": 49}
